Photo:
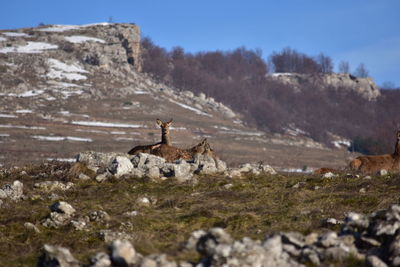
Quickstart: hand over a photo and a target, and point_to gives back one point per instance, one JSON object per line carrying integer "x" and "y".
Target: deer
{"x": 165, "y": 139}
{"x": 171, "y": 153}
{"x": 373, "y": 164}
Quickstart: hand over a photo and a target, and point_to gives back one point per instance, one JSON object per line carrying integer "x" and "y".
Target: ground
{"x": 250, "y": 206}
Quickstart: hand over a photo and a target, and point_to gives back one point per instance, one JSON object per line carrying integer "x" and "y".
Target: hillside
{"x": 66, "y": 88}
{"x": 291, "y": 90}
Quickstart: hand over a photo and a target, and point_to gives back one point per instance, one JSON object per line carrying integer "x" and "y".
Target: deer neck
{"x": 397, "y": 149}
{"x": 165, "y": 136}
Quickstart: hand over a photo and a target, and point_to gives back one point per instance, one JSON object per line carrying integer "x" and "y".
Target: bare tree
{"x": 325, "y": 63}
{"x": 361, "y": 71}
{"x": 289, "y": 60}
{"x": 344, "y": 67}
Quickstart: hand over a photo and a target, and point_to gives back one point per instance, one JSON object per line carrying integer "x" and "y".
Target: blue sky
{"x": 366, "y": 31}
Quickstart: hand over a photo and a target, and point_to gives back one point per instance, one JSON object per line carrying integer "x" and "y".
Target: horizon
{"x": 357, "y": 31}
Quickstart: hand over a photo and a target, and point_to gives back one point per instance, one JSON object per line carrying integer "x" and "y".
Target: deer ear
{"x": 159, "y": 122}
{"x": 170, "y": 121}
{"x": 204, "y": 141}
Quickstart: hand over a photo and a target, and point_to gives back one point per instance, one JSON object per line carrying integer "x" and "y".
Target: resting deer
{"x": 171, "y": 153}
{"x": 165, "y": 139}
{"x": 373, "y": 164}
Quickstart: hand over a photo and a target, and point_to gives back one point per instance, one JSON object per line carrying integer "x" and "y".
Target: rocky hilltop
{"x": 366, "y": 87}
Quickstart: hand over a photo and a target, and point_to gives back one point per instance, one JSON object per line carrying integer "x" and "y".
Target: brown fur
{"x": 373, "y": 164}
{"x": 165, "y": 139}
{"x": 171, "y": 153}
{"x": 325, "y": 170}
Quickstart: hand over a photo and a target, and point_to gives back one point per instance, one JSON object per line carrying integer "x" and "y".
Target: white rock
{"x": 328, "y": 175}
{"x": 122, "y": 253}
{"x": 121, "y": 166}
{"x": 62, "y": 207}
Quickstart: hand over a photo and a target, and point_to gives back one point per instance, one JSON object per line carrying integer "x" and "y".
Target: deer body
{"x": 373, "y": 164}
{"x": 171, "y": 153}
{"x": 165, "y": 139}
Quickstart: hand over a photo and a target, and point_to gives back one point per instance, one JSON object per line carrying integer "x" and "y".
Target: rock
{"x": 102, "y": 177}
{"x": 374, "y": 261}
{"x": 83, "y": 177}
{"x": 79, "y": 225}
{"x": 328, "y": 175}
{"x": 121, "y": 166}
{"x": 97, "y": 160}
{"x": 130, "y": 214}
{"x": 109, "y": 236}
{"x": 99, "y": 215}
{"x": 53, "y": 185}
{"x": 13, "y": 191}
{"x": 100, "y": 260}
{"x": 153, "y": 172}
{"x": 383, "y": 172}
{"x": 57, "y": 256}
{"x": 62, "y": 207}
{"x": 122, "y": 253}
{"x": 156, "y": 260}
{"x": 32, "y": 227}
{"x": 143, "y": 201}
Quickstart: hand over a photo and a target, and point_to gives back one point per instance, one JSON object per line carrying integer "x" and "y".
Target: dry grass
{"x": 253, "y": 206}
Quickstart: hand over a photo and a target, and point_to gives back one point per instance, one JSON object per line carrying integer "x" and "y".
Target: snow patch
{"x": 195, "y": 110}
{"x": 2, "y": 39}
{"x": 59, "y": 28}
{"x": 24, "y": 111}
{"x": 15, "y": 34}
{"x": 107, "y": 124}
{"x": 22, "y": 127}
{"x": 30, "y": 48}
{"x": 4, "y": 135}
{"x": 61, "y": 138}
{"x": 62, "y": 159}
{"x": 341, "y": 143}
{"x": 25, "y": 94}
{"x": 8, "y": 116}
{"x": 77, "y": 39}
{"x": 60, "y": 70}
{"x": 63, "y": 28}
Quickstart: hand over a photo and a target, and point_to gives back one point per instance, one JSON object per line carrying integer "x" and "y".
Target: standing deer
{"x": 373, "y": 164}
{"x": 165, "y": 139}
{"x": 171, "y": 153}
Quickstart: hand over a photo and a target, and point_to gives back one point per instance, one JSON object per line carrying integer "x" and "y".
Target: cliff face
{"x": 366, "y": 87}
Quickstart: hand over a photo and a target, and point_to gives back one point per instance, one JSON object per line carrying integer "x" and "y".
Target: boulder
{"x": 121, "y": 166}
{"x": 12, "y": 191}
{"x": 122, "y": 253}
{"x": 57, "y": 256}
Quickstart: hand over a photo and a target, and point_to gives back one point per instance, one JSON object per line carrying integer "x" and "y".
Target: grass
{"x": 253, "y": 206}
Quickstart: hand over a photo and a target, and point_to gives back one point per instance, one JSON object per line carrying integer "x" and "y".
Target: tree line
{"x": 238, "y": 78}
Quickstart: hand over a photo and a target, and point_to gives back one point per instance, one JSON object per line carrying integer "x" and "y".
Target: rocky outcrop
{"x": 154, "y": 167}
{"x": 366, "y": 87}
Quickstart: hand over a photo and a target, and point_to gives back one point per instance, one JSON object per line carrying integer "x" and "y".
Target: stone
{"x": 83, "y": 177}
{"x": 383, "y": 172}
{"x": 57, "y": 256}
{"x": 102, "y": 177}
{"x": 121, "y": 166}
{"x": 130, "y": 214}
{"x": 143, "y": 201}
{"x": 156, "y": 260}
{"x": 101, "y": 259}
{"x": 109, "y": 236}
{"x": 62, "y": 207}
{"x": 328, "y": 175}
{"x": 12, "y": 191}
{"x": 53, "y": 185}
{"x": 122, "y": 253}
{"x": 31, "y": 227}
{"x": 374, "y": 261}
{"x": 153, "y": 172}
{"x": 99, "y": 215}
